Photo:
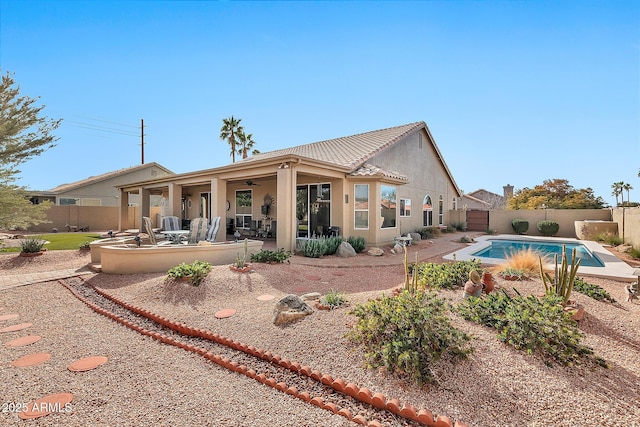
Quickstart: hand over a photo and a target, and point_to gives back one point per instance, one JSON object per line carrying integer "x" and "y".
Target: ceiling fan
{"x": 250, "y": 183}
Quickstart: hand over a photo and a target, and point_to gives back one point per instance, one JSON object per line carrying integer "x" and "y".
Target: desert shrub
{"x": 634, "y": 253}
{"x": 594, "y": 291}
{"x": 536, "y": 326}
{"x": 332, "y": 243}
{"x": 609, "y": 238}
{"x": 85, "y": 245}
{"x": 408, "y": 333}
{"x": 459, "y": 225}
{"x": 314, "y": 248}
{"x": 520, "y": 226}
{"x": 32, "y": 244}
{"x": 357, "y": 243}
{"x": 334, "y": 299}
{"x": 196, "y": 271}
{"x": 271, "y": 256}
{"x": 523, "y": 261}
{"x": 425, "y": 232}
{"x": 548, "y": 228}
{"x": 466, "y": 239}
{"x": 446, "y": 275}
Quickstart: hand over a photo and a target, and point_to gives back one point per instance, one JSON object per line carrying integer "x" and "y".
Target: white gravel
{"x": 148, "y": 383}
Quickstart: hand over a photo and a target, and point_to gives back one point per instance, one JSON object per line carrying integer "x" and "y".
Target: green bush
{"x": 334, "y": 299}
{"x": 520, "y": 226}
{"x": 609, "y": 238}
{"x": 459, "y": 226}
{"x": 446, "y": 275}
{"x": 332, "y": 243}
{"x": 196, "y": 271}
{"x": 594, "y": 291}
{"x": 409, "y": 333}
{"x": 314, "y": 248}
{"x": 271, "y": 256}
{"x": 634, "y": 253}
{"x": 548, "y": 228}
{"x": 537, "y": 326}
{"x": 357, "y": 243}
{"x": 32, "y": 244}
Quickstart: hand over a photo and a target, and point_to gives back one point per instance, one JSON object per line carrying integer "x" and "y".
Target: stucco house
{"x": 100, "y": 190}
{"x": 378, "y": 185}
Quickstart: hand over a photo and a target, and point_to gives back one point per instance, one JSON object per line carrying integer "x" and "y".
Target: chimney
{"x": 507, "y": 191}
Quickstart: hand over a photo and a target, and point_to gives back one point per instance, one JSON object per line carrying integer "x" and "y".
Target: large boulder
{"x": 376, "y": 252}
{"x": 290, "y": 309}
{"x": 415, "y": 237}
{"x": 345, "y": 250}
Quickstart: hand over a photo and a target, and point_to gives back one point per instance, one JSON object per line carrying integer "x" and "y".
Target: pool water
{"x": 501, "y": 249}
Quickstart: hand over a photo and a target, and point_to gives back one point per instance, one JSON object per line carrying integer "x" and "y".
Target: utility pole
{"x": 142, "y": 138}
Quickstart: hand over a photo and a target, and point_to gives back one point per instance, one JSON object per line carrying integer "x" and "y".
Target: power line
{"x": 101, "y": 128}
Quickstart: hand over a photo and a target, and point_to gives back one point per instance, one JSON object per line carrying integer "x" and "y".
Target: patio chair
{"x": 197, "y": 230}
{"x": 148, "y": 228}
{"x": 171, "y": 223}
{"x": 212, "y": 231}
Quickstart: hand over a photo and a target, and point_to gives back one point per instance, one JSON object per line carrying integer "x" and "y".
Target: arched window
{"x": 427, "y": 211}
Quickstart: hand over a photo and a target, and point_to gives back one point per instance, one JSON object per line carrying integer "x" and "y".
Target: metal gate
{"x": 477, "y": 220}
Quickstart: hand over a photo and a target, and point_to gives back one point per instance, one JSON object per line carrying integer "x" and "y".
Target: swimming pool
{"x": 502, "y": 248}
{"x": 487, "y": 250}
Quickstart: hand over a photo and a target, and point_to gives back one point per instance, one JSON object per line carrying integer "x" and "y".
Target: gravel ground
{"x": 148, "y": 383}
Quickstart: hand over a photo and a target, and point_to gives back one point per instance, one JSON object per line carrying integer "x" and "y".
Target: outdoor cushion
{"x": 197, "y": 230}
{"x": 212, "y": 231}
{"x": 170, "y": 223}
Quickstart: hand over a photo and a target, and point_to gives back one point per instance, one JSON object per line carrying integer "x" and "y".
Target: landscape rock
{"x": 311, "y": 296}
{"x": 415, "y": 237}
{"x": 376, "y": 252}
{"x": 397, "y": 249}
{"x": 289, "y": 309}
{"x": 345, "y": 250}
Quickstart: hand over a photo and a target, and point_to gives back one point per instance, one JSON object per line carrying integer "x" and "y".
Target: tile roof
{"x": 347, "y": 151}
{"x": 371, "y": 170}
{"x": 93, "y": 179}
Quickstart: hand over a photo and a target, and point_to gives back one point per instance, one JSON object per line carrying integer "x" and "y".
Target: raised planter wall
{"x": 128, "y": 259}
{"x": 587, "y": 230}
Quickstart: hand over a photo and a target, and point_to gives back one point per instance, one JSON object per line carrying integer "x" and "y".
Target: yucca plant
{"x": 564, "y": 278}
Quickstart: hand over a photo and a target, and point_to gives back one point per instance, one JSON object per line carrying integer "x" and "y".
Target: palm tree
{"x": 626, "y": 187}
{"x": 246, "y": 143}
{"x": 617, "y": 190}
{"x": 228, "y": 132}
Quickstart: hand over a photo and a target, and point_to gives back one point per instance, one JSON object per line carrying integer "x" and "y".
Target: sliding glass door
{"x": 313, "y": 209}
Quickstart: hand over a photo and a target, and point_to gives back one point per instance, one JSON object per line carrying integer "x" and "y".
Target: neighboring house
{"x": 101, "y": 190}
{"x": 490, "y": 200}
{"x": 377, "y": 185}
{"x": 468, "y": 202}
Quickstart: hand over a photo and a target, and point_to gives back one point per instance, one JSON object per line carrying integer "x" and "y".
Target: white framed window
{"x": 427, "y": 211}
{"x": 91, "y": 202}
{"x": 405, "y": 207}
{"x": 361, "y": 207}
{"x": 440, "y": 210}
{"x": 455, "y": 203}
{"x": 65, "y": 201}
{"x": 244, "y": 208}
{"x": 388, "y": 205}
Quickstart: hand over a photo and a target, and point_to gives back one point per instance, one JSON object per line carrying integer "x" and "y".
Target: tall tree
{"x": 617, "y": 191}
{"x": 555, "y": 194}
{"x": 246, "y": 143}
{"x": 229, "y": 131}
{"x": 24, "y": 134}
{"x": 627, "y": 187}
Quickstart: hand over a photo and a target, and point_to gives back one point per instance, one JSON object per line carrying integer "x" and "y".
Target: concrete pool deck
{"x": 614, "y": 268}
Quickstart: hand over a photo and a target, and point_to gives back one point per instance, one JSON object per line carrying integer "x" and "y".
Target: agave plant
{"x": 564, "y": 278}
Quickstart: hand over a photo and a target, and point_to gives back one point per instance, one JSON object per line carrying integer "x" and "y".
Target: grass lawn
{"x": 62, "y": 241}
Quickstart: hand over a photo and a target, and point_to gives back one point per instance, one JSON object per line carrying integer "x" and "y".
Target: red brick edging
{"x": 364, "y": 395}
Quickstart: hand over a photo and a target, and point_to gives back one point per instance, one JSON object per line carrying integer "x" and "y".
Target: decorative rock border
{"x": 364, "y": 395}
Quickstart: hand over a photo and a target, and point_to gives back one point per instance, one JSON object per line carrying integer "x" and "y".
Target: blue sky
{"x": 513, "y": 92}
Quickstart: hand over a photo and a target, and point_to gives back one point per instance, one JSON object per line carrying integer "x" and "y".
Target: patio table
{"x": 174, "y": 235}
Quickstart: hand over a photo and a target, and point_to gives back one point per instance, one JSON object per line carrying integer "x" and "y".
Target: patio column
{"x": 145, "y": 208}
{"x": 175, "y": 200}
{"x": 286, "y": 200}
{"x": 219, "y": 206}
{"x": 123, "y": 210}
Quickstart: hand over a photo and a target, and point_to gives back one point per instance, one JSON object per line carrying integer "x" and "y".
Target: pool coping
{"x": 614, "y": 268}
